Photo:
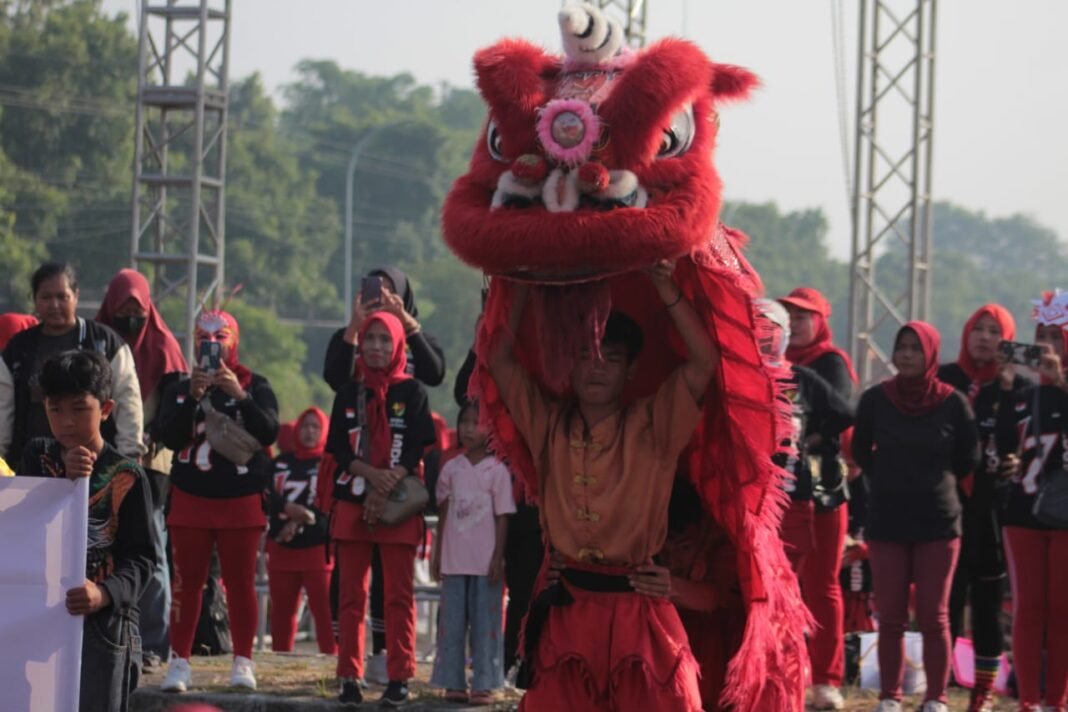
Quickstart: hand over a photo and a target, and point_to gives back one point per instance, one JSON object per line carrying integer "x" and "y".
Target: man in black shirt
{"x": 120, "y": 558}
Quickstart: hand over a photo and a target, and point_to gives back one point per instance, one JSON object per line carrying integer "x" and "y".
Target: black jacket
{"x": 981, "y": 547}
{"x": 121, "y": 556}
{"x": 817, "y": 410}
{"x": 22, "y": 415}
{"x": 912, "y": 464}
{"x": 1017, "y": 433}
{"x": 410, "y": 424}
{"x": 295, "y": 482}
{"x": 196, "y": 469}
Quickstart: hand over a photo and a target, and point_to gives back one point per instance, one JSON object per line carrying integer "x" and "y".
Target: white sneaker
{"x": 888, "y": 706}
{"x": 376, "y": 669}
{"x": 934, "y": 706}
{"x": 243, "y": 673}
{"x": 827, "y": 697}
{"x": 179, "y": 677}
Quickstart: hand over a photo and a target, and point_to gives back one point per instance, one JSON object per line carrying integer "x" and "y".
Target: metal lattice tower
{"x": 178, "y": 234}
{"x": 892, "y": 176}
{"x": 631, "y": 14}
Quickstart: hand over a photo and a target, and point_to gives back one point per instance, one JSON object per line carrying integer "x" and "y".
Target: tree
{"x": 68, "y": 72}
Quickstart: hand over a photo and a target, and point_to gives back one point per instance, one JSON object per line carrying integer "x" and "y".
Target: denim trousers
{"x": 155, "y": 603}
{"x": 470, "y": 607}
{"x": 111, "y": 662}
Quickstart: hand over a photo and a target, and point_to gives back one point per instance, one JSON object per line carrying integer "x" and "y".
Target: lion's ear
{"x": 512, "y": 75}
{"x": 732, "y": 83}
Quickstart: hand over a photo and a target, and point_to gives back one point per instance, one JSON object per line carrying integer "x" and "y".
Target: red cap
{"x": 808, "y": 299}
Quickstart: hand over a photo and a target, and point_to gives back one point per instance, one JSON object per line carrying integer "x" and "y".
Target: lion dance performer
{"x": 593, "y": 194}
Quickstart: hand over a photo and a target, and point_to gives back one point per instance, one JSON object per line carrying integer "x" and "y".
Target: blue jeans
{"x": 470, "y": 603}
{"x": 111, "y": 662}
{"x": 155, "y": 603}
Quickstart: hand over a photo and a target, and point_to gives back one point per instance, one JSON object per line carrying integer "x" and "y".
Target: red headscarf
{"x": 984, "y": 374}
{"x": 812, "y": 300}
{"x": 922, "y": 394}
{"x": 11, "y": 324}
{"x": 378, "y": 382}
{"x": 213, "y": 320}
{"x": 155, "y": 350}
{"x": 316, "y": 451}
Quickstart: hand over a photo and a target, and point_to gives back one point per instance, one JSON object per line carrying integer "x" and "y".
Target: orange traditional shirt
{"x": 604, "y": 490}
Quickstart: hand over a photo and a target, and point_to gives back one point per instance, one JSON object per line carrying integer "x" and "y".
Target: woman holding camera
{"x": 392, "y": 292}
{"x": 217, "y": 498}
{"x": 914, "y": 437}
{"x": 990, "y": 387}
{"x": 1035, "y": 435}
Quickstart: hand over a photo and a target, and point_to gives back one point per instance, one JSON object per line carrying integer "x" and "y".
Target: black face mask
{"x": 130, "y": 325}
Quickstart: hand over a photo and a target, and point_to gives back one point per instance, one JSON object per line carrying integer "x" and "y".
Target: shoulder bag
{"x": 226, "y": 437}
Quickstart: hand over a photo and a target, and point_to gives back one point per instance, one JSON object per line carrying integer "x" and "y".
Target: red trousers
{"x": 822, "y": 591}
{"x": 616, "y": 652}
{"x": 237, "y": 560}
{"x": 285, "y": 589}
{"x": 1038, "y": 570}
{"x": 814, "y": 543}
{"x": 398, "y": 572}
{"x": 930, "y": 566}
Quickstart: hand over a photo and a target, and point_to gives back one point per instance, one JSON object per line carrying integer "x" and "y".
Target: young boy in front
{"x": 605, "y": 474}
{"x": 121, "y": 556}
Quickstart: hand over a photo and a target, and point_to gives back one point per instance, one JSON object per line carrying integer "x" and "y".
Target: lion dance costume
{"x": 591, "y": 167}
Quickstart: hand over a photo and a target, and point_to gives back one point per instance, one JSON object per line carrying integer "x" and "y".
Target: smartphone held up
{"x": 210, "y": 355}
{"x": 1020, "y": 354}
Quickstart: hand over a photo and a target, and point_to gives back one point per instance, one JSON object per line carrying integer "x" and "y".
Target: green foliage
{"x": 67, "y": 72}
{"x": 279, "y": 231}
{"x": 790, "y": 250}
{"x": 979, "y": 260}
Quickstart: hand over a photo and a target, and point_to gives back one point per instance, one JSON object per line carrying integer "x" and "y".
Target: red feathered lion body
{"x": 584, "y": 175}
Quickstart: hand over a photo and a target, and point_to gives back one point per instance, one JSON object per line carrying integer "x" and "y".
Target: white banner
{"x": 43, "y": 530}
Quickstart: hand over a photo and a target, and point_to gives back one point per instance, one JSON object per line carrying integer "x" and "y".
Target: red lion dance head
{"x": 590, "y": 168}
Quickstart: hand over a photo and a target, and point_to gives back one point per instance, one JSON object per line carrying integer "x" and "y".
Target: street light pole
{"x": 349, "y": 180}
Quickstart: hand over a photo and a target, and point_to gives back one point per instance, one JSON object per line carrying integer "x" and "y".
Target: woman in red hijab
{"x": 915, "y": 436}
{"x": 379, "y": 427}
{"x": 811, "y": 345}
{"x": 215, "y": 501}
{"x": 297, "y": 555}
{"x": 158, "y": 361}
{"x": 979, "y": 581}
{"x": 129, "y": 310}
{"x": 11, "y": 324}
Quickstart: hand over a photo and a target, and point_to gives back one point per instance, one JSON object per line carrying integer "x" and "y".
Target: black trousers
{"x": 523, "y": 554}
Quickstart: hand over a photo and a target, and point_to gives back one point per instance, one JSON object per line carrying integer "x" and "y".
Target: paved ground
{"x": 304, "y": 682}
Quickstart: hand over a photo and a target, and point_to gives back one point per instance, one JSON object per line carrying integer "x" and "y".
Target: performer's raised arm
{"x": 702, "y": 355}
{"x": 502, "y": 363}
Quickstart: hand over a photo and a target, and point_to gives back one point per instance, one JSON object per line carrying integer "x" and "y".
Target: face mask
{"x": 130, "y": 325}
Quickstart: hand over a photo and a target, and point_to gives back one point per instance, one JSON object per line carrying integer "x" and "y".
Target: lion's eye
{"x": 678, "y": 137}
{"x": 493, "y": 141}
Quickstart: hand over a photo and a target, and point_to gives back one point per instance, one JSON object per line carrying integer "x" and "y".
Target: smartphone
{"x": 371, "y": 289}
{"x": 209, "y": 357}
{"x": 1029, "y": 355}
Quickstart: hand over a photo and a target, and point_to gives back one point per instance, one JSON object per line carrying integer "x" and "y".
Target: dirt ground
{"x": 308, "y": 676}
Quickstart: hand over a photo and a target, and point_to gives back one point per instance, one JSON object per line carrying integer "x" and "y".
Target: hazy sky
{"x": 1001, "y": 136}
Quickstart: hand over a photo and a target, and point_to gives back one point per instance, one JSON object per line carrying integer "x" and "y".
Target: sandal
{"x": 483, "y": 697}
{"x": 456, "y": 696}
